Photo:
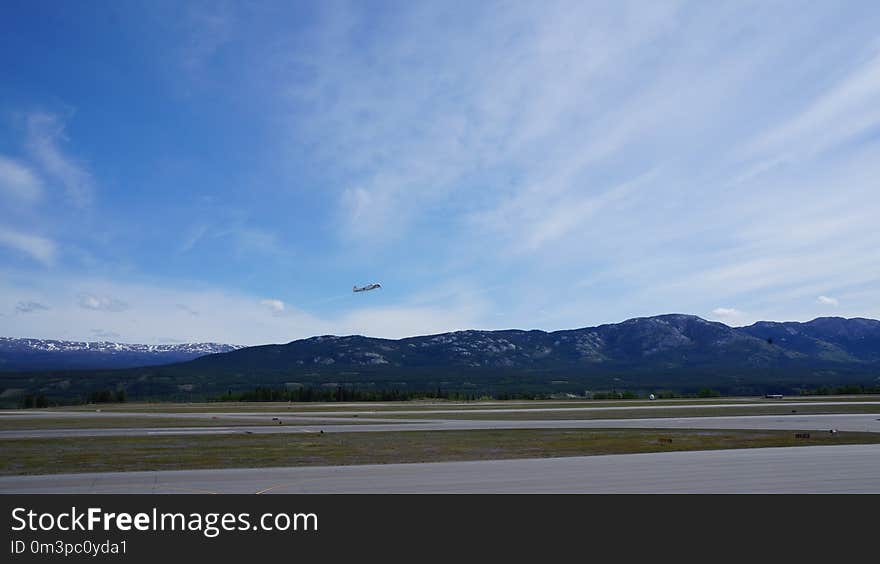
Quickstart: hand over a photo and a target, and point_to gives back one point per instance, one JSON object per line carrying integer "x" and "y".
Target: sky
{"x": 227, "y": 171}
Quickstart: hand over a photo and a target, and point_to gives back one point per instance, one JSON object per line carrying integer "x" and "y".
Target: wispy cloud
{"x": 193, "y": 237}
{"x": 255, "y": 240}
{"x": 236, "y": 233}
{"x": 101, "y": 303}
{"x": 171, "y": 340}
{"x": 38, "y": 248}
{"x": 522, "y": 120}
{"x": 103, "y": 334}
{"x": 30, "y": 307}
{"x": 18, "y": 182}
{"x": 209, "y": 26}
{"x": 45, "y": 135}
{"x": 187, "y": 309}
{"x": 845, "y": 111}
{"x": 828, "y": 300}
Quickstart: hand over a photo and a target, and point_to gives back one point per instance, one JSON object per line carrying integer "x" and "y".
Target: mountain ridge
{"x": 671, "y": 351}
{"x": 669, "y": 342}
{"x": 854, "y": 339}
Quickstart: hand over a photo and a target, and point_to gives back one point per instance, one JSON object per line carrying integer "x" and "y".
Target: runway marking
{"x": 268, "y": 489}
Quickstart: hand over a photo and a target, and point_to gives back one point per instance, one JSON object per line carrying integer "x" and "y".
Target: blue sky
{"x": 227, "y": 172}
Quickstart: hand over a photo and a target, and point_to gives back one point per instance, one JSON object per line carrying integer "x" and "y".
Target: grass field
{"x": 105, "y": 454}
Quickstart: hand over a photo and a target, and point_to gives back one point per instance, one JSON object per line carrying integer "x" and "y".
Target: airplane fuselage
{"x": 367, "y": 287}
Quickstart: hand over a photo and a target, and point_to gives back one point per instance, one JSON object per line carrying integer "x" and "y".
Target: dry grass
{"x": 104, "y": 454}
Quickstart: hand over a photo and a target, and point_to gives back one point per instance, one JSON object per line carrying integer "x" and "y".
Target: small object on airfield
{"x": 248, "y": 432}
{"x": 366, "y": 288}
{"x": 274, "y": 419}
{"x": 322, "y": 431}
{"x": 833, "y": 431}
{"x": 651, "y": 397}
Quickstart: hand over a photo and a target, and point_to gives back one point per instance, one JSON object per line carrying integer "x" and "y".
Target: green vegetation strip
{"x": 106, "y": 454}
{"x": 670, "y": 412}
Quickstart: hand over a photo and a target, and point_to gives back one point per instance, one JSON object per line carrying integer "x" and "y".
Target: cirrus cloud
{"x": 19, "y": 182}
{"x": 45, "y": 133}
{"x": 38, "y": 248}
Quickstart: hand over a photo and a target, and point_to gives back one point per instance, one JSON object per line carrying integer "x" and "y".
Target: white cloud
{"x": 19, "y": 182}
{"x": 277, "y": 306}
{"x": 45, "y": 132}
{"x": 827, "y": 300}
{"x": 729, "y": 315}
{"x": 725, "y": 311}
{"x": 101, "y": 303}
{"x": 38, "y": 248}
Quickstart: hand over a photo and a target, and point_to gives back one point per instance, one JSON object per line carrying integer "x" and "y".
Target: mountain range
{"x": 671, "y": 341}
{"x": 673, "y": 351}
{"x": 42, "y": 354}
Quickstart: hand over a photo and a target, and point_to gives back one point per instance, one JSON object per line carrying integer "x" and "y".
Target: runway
{"x": 823, "y": 422}
{"x": 844, "y": 469}
{"x": 427, "y": 412}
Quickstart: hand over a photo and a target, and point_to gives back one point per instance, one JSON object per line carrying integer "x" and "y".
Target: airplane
{"x": 366, "y": 288}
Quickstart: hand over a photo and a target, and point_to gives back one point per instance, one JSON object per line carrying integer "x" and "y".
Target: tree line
{"x": 340, "y": 394}
{"x": 99, "y": 396}
{"x": 348, "y": 394}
